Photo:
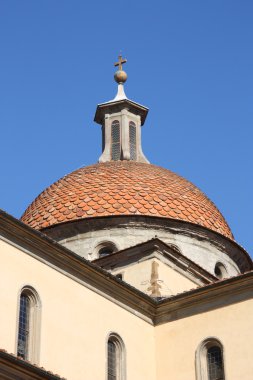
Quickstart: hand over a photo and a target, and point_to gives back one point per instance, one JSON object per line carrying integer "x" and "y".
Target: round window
{"x": 105, "y": 249}
{"x": 220, "y": 271}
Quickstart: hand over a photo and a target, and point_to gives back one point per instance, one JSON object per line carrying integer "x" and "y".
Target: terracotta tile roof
{"x": 33, "y": 371}
{"x": 123, "y": 188}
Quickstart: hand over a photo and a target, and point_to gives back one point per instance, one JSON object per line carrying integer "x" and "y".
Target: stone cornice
{"x": 206, "y": 298}
{"x": 153, "y": 311}
{"x": 118, "y": 105}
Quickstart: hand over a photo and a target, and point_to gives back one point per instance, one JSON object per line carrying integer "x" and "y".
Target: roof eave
{"x": 113, "y": 106}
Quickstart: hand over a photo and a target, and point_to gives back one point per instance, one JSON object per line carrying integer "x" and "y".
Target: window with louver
{"x": 115, "y": 136}
{"x": 132, "y": 140}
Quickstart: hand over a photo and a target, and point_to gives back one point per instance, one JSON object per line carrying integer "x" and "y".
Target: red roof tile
{"x": 123, "y": 188}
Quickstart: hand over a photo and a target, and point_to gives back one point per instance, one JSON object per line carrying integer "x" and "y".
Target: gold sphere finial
{"x": 120, "y": 76}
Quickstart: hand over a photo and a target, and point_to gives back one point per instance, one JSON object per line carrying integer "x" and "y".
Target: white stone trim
{"x": 106, "y": 155}
{"x": 120, "y": 94}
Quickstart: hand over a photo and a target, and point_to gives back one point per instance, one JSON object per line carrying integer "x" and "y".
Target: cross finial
{"x": 120, "y": 62}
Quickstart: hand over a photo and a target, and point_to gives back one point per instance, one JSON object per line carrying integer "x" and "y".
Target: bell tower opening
{"x": 115, "y": 140}
{"x": 132, "y": 140}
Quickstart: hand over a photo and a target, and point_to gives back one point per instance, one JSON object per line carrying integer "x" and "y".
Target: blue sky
{"x": 190, "y": 62}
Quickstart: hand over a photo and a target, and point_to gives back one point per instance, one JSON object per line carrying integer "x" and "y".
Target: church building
{"x": 123, "y": 270}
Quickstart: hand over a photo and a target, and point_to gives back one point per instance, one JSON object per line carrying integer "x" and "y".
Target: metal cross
{"x": 120, "y": 63}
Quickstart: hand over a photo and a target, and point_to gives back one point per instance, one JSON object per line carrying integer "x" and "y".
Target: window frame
{"x": 33, "y": 345}
{"x": 201, "y": 357}
{"x": 115, "y": 123}
{"x": 120, "y": 353}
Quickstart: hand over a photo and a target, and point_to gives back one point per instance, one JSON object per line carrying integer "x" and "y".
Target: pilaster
{"x": 106, "y": 155}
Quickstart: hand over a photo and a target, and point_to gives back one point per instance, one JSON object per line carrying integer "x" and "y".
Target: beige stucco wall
{"x": 75, "y": 321}
{"x": 170, "y": 280}
{"x": 177, "y": 342}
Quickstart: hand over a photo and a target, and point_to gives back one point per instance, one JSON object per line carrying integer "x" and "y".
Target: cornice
{"x": 117, "y": 105}
{"x": 206, "y": 298}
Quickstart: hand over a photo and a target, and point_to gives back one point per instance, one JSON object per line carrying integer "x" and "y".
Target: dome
{"x": 123, "y": 188}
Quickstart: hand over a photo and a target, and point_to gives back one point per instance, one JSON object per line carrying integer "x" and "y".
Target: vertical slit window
{"x": 115, "y": 140}
{"x": 28, "y": 333}
{"x": 112, "y": 361}
{"x": 215, "y": 363}
{"x": 23, "y": 331}
{"x": 132, "y": 140}
{"x": 115, "y": 358}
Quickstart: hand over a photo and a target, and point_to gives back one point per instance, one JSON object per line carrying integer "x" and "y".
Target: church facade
{"x": 124, "y": 270}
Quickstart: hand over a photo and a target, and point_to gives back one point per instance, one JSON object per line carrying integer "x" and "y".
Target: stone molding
{"x": 117, "y": 106}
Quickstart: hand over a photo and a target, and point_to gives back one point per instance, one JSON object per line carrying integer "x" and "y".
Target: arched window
{"x": 220, "y": 271}
{"x": 215, "y": 363}
{"x": 105, "y": 251}
{"x": 115, "y": 136}
{"x": 24, "y": 326}
{"x": 28, "y": 325}
{"x": 132, "y": 140}
{"x": 209, "y": 360}
{"x": 115, "y": 358}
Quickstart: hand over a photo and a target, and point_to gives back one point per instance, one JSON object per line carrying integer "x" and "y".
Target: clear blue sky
{"x": 190, "y": 62}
